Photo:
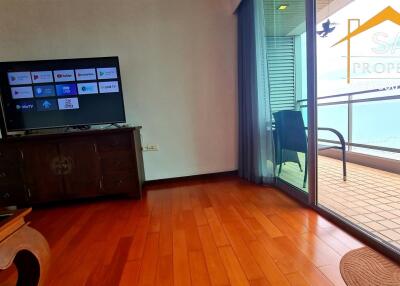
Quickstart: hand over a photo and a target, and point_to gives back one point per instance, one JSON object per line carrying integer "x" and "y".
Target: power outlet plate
{"x": 150, "y": 147}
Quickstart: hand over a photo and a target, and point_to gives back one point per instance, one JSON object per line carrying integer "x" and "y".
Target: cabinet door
{"x": 82, "y": 172}
{"x": 43, "y": 182}
{"x": 119, "y": 173}
{"x": 12, "y": 188}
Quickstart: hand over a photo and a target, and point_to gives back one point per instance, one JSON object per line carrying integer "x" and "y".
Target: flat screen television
{"x": 61, "y": 93}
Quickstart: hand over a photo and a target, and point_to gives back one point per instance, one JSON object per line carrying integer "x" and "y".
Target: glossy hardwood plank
{"x": 268, "y": 226}
{"x": 139, "y": 241}
{"x": 198, "y": 269}
{"x": 130, "y": 273}
{"x": 115, "y": 269}
{"x": 243, "y": 253}
{"x": 332, "y": 272}
{"x": 221, "y": 231}
{"x": 301, "y": 262}
{"x": 286, "y": 263}
{"x": 260, "y": 282}
{"x": 235, "y": 272}
{"x": 214, "y": 263}
{"x": 317, "y": 251}
{"x": 216, "y": 227}
{"x": 150, "y": 260}
{"x": 166, "y": 244}
{"x": 199, "y": 215}
{"x": 191, "y": 232}
{"x": 271, "y": 271}
{"x": 180, "y": 259}
{"x": 296, "y": 279}
{"x": 165, "y": 271}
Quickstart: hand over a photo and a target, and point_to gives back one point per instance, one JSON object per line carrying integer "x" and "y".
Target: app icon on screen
{"x": 21, "y": 92}
{"x": 42, "y": 76}
{"x": 25, "y": 106}
{"x": 64, "y": 75}
{"x": 68, "y": 103}
{"x": 88, "y": 88}
{"x": 46, "y": 104}
{"x": 66, "y": 89}
{"x": 18, "y": 78}
{"x": 85, "y": 74}
{"x": 44, "y": 90}
{"x": 107, "y": 73}
{"x": 108, "y": 86}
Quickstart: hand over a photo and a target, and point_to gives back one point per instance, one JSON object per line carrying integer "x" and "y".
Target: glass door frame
{"x": 312, "y": 198}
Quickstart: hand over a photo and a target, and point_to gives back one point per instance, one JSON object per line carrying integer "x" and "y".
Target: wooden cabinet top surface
{"x": 90, "y": 132}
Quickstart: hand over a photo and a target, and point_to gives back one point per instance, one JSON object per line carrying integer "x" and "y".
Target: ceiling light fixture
{"x": 283, "y": 7}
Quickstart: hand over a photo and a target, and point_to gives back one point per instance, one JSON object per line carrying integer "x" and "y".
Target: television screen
{"x": 59, "y": 93}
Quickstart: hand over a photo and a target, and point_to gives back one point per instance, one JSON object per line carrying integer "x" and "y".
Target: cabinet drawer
{"x": 12, "y": 195}
{"x": 117, "y": 161}
{"x": 119, "y": 182}
{"x": 114, "y": 142}
{"x": 9, "y": 157}
{"x": 10, "y": 175}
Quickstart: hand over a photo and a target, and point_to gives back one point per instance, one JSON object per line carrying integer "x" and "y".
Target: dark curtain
{"x": 256, "y": 162}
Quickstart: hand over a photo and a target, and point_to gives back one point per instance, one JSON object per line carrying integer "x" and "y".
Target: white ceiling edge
{"x": 324, "y": 13}
{"x": 331, "y": 9}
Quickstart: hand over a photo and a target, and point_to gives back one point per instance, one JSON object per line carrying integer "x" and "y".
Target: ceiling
{"x": 292, "y": 20}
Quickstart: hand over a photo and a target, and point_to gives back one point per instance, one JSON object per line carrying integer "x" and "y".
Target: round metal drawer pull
{"x": 3, "y": 175}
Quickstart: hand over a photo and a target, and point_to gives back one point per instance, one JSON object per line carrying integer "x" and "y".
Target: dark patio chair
{"x": 291, "y": 135}
{"x": 287, "y": 155}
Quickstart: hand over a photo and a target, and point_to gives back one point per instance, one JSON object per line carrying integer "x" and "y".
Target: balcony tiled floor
{"x": 369, "y": 198}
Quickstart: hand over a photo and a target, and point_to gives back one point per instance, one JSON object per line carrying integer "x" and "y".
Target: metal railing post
{"x": 350, "y": 123}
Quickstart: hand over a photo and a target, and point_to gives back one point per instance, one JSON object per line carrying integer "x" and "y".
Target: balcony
{"x": 370, "y": 198}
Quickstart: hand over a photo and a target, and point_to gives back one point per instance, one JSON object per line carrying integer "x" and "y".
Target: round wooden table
{"x": 23, "y": 246}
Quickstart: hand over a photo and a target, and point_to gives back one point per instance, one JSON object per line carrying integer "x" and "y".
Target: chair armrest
{"x": 337, "y": 133}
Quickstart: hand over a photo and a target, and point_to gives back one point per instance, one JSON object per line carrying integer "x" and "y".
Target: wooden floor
{"x": 370, "y": 198}
{"x": 218, "y": 232}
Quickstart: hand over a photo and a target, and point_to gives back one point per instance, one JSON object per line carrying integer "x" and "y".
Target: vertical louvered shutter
{"x": 281, "y": 72}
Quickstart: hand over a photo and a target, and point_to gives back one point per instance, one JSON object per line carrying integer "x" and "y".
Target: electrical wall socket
{"x": 149, "y": 147}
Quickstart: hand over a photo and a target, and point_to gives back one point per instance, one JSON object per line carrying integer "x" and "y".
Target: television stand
{"x": 54, "y": 167}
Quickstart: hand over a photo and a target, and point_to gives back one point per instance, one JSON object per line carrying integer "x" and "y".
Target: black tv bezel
{"x": 3, "y": 68}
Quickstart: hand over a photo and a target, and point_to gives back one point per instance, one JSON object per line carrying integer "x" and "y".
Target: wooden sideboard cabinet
{"x": 46, "y": 168}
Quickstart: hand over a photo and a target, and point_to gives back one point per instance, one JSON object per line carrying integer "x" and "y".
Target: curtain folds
{"x": 256, "y": 150}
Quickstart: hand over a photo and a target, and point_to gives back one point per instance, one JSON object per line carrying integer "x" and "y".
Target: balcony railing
{"x": 348, "y": 107}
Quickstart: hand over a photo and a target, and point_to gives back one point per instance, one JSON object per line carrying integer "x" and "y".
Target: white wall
{"x": 178, "y": 63}
{"x": 234, "y": 4}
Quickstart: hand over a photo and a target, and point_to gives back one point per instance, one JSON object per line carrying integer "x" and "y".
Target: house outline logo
{"x": 387, "y": 14}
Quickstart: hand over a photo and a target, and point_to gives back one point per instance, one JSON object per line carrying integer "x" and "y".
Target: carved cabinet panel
{"x": 80, "y": 165}
{"x": 42, "y": 169}
{"x": 42, "y": 182}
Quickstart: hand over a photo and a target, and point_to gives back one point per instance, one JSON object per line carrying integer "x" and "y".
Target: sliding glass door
{"x": 358, "y": 56}
{"x": 333, "y": 71}
{"x": 286, "y": 48}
